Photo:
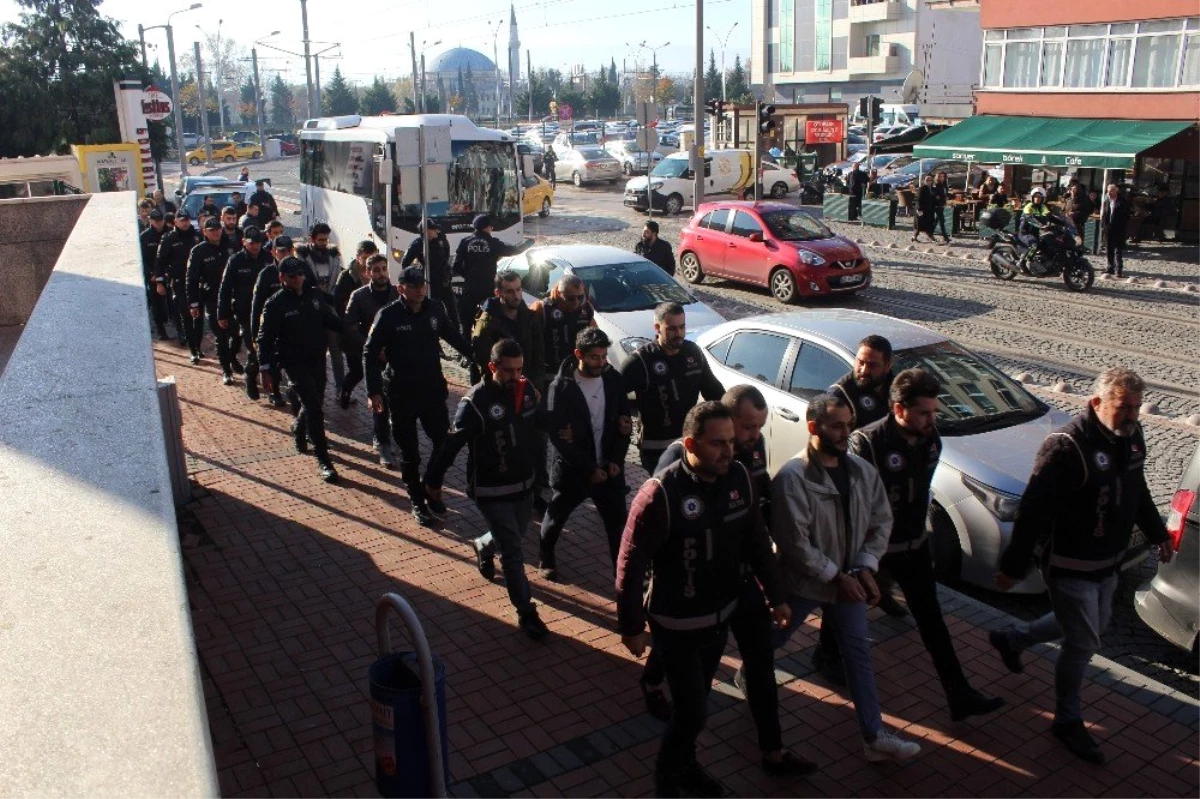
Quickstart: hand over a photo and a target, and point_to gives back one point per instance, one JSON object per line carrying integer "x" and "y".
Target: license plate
{"x": 852, "y": 280}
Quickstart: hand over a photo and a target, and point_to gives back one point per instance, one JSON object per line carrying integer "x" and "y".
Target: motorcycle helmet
{"x": 1038, "y": 192}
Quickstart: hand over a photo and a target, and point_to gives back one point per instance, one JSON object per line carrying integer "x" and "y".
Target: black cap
{"x": 413, "y": 275}
{"x": 251, "y": 233}
{"x": 652, "y": 226}
{"x": 291, "y": 265}
{"x": 482, "y": 221}
{"x": 182, "y": 214}
{"x": 260, "y": 182}
{"x": 229, "y": 209}
{"x": 156, "y": 214}
{"x": 212, "y": 224}
{"x": 282, "y": 243}
{"x": 430, "y": 224}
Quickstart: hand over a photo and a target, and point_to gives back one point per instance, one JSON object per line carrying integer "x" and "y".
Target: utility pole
{"x": 412, "y": 48}
{"x": 258, "y": 106}
{"x": 203, "y": 106}
{"x": 423, "y": 109}
{"x": 697, "y": 115}
{"x": 529, "y": 72}
{"x": 142, "y": 39}
{"x": 312, "y": 100}
{"x": 183, "y": 161}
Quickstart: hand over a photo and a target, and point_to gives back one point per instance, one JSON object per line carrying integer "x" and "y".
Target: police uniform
{"x": 325, "y": 265}
{"x": 205, "y": 266}
{"x": 475, "y": 266}
{"x": 666, "y": 388}
{"x": 235, "y": 299}
{"x": 866, "y": 405}
{"x": 438, "y": 273}
{"x": 149, "y": 240}
{"x": 559, "y": 329}
{"x": 364, "y": 305}
{"x": 171, "y": 268}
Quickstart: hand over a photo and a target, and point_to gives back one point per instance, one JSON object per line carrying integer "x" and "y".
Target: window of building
{"x": 993, "y": 59}
{"x": 872, "y": 46}
{"x": 823, "y": 35}
{"x": 1021, "y": 64}
{"x": 1051, "y": 63}
{"x": 1117, "y": 71}
{"x": 1191, "y": 62}
{"x": 787, "y": 33}
{"x": 1157, "y": 62}
{"x": 1085, "y": 59}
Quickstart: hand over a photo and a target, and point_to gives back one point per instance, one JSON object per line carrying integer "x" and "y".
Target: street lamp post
{"x": 219, "y": 60}
{"x": 178, "y": 106}
{"x": 421, "y": 104}
{"x": 724, "y": 40}
{"x": 654, "y": 67}
{"x": 312, "y": 103}
{"x": 258, "y": 103}
{"x": 316, "y": 57}
{"x": 203, "y": 106}
{"x": 496, "y": 64}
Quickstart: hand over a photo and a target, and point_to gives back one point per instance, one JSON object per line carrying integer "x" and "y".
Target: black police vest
{"x": 561, "y": 327}
{"x": 243, "y": 269}
{"x": 210, "y": 259}
{"x": 502, "y": 454}
{"x": 697, "y": 571}
{"x": 867, "y": 406}
{"x": 907, "y": 473}
{"x": 671, "y": 390}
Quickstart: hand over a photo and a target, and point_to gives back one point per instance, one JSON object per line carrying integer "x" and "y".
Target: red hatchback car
{"x": 771, "y": 244}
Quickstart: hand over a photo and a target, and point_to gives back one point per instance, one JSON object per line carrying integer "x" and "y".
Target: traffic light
{"x": 864, "y": 107}
{"x": 876, "y": 111}
{"x": 765, "y": 123}
{"x": 715, "y": 107}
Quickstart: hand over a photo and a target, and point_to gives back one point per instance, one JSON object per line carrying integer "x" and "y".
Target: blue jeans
{"x": 1082, "y": 611}
{"x": 508, "y": 519}
{"x": 850, "y": 626}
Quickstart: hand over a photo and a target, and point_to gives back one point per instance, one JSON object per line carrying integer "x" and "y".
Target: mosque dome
{"x": 460, "y": 58}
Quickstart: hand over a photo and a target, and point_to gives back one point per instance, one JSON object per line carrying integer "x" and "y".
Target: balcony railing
{"x": 875, "y": 10}
{"x": 873, "y": 65}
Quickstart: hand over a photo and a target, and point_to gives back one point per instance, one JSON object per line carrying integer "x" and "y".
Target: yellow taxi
{"x": 248, "y": 149}
{"x": 538, "y": 196}
{"x": 221, "y": 151}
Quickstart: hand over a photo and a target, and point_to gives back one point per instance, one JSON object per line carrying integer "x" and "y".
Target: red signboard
{"x": 823, "y": 131}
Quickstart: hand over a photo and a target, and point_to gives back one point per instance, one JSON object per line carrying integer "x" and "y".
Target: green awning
{"x": 1035, "y": 141}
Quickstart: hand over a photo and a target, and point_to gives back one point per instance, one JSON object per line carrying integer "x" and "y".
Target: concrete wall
{"x": 32, "y": 234}
{"x": 100, "y": 689}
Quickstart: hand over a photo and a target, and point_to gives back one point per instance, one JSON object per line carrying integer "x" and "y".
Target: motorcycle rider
{"x": 1034, "y": 216}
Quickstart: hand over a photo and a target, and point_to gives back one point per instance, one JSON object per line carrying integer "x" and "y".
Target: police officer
{"x": 1087, "y": 490}
{"x": 364, "y": 304}
{"x": 564, "y": 313}
{"x": 236, "y": 296}
{"x": 267, "y": 209}
{"x": 495, "y": 419}
{"x": 667, "y": 376}
{"x": 474, "y": 268}
{"x": 438, "y": 273}
{"x": 156, "y": 291}
{"x": 905, "y": 448}
{"x": 293, "y": 337}
{"x": 171, "y": 269}
{"x": 409, "y": 331}
{"x": 325, "y": 264}
{"x": 351, "y": 279}
{"x": 267, "y": 284}
{"x": 206, "y": 265}
{"x": 705, "y": 497}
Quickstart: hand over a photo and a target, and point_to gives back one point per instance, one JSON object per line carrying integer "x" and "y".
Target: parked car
{"x": 247, "y": 150}
{"x": 906, "y": 177}
{"x": 582, "y": 165}
{"x": 524, "y": 148}
{"x": 287, "y": 147}
{"x": 883, "y": 131}
{"x": 537, "y": 195}
{"x": 778, "y": 181}
{"x": 1168, "y": 603}
{"x": 991, "y": 426}
{"x": 623, "y": 288}
{"x": 632, "y": 157}
{"x": 566, "y": 140}
{"x": 222, "y": 196}
{"x": 192, "y": 182}
{"x": 881, "y": 162}
{"x": 903, "y": 140}
{"x": 770, "y": 244}
{"x": 243, "y": 136}
{"x": 221, "y": 151}
{"x": 190, "y": 140}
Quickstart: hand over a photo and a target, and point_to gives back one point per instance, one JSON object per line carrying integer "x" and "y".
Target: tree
{"x": 57, "y": 66}
{"x": 737, "y": 87}
{"x": 612, "y": 73}
{"x": 712, "y": 78}
{"x": 246, "y": 109}
{"x": 468, "y": 90}
{"x": 282, "y": 112}
{"x": 542, "y": 94}
{"x": 337, "y": 98}
{"x": 605, "y": 97}
{"x": 377, "y": 99}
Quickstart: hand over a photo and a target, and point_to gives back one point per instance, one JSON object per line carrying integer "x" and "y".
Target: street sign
{"x": 647, "y": 138}
{"x": 565, "y": 112}
{"x": 823, "y": 131}
{"x": 156, "y": 105}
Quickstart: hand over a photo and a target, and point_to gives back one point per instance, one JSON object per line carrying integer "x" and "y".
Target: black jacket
{"x": 559, "y": 329}
{"x": 325, "y": 266}
{"x": 265, "y": 287}
{"x": 475, "y": 262}
{"x": 754, "y": 460}
{"x": 233, "y": 239}
{"x": 857, "y": 182}
{"x": 149, "y": 240}
{"x": 236, "y": 295}
{"x": 491, "y": 325}
{"x": 267, "y": 209}
{"x": 347, "y": 283}
{"x": 694, "y": 537}
{"x": 364, "y": 305}
{"x": 866, "y": 406}
{"x": 413, "y": 353}
{"x": 666, "y": 387}
{"x": 438, "y": 273}
{"x": 658, "y": 253}
{"x": 1114, "y": 218}
{"x": 171, "y": 262}
{"x": 941, "y": 195}
{"x": 206, "y": 264}
{"x": 565, "y": 408}
{"x": 294, "y": 330}
{"x": 1087, "y": 490}
{"x": 907, "y": 472}
{"x": 499, "y": 428}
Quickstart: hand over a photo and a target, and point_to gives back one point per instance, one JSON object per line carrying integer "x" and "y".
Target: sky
{"x": 372, "y": 35}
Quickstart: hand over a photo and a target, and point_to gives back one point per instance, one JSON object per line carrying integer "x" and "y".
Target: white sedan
{"x": 623, "y": 288}
{"x": 778, "y": 181}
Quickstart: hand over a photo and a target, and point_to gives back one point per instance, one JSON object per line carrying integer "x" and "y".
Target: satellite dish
{"x": 912, "y": 87}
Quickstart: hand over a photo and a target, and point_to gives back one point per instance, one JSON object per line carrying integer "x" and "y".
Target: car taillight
{"x": 1181, "y": 505}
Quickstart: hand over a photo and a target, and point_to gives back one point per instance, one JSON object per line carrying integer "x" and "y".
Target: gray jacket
{"x": 809, "y": 527}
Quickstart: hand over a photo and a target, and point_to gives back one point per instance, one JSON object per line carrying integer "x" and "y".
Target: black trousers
{"x": 649, "y": 458}
{"x": 855, "y": 206}
{"x": 243, "y": 334}
{"x": 227, "y": 339}
{"x": 690, "y": 659}
{"x": 609, "y": 498}
{"x": 434, "y": 418}
{"x": 354, "y": 368}
{"x": 157, "y": 303}
{"x": 192, "y": 329}
{"x": 939, "y": 221}
{"x": 752, "y": 630}
{"x": 308, "y": 386}
{"x": 1116, "y": 253}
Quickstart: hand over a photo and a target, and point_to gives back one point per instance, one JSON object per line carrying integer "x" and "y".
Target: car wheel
{"x": 779, "y": 190}
{"x": 256, "y": 155}
{"x": 194, "y": 161}
{"x": 783, "y": 285}
{"x": 229, "y": 159}
{"x": 674, "y": 204}
{"x": 576, "y": 178}
{"x": 689, "y": 267}
{"x": 545, "y": 208}
{"x": 944, "y": 544}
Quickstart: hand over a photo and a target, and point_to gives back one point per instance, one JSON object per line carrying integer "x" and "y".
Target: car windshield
{"x": 795, "y": 226}
{"x": 592, "y": 153}
{"x": 976, "y": 396}
{"x": 194, "y": 201}
{"x": 670, "y": 168}
{"x": 636, "y": 286}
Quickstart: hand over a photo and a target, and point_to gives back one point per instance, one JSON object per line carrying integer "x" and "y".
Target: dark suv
{"x": 1168, "y": 603}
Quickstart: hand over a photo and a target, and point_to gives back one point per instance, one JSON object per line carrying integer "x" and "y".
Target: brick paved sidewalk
{"x": 283, "y": 572}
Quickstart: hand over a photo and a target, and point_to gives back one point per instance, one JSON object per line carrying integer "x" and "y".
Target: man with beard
{"x": 474, "y": 268}
{"x": 495, "y": 420}
{"x": 905, "y": 448}
{"x": 206, "y": 264}
{"x": 325, "y": 264}
{"x": 236, "y": 296}
{"x": 438, "y": 271}
{"x": 587, "y": 408}
{"x": 1087, "y": 490}
{"x": 230, "y": 230}
{"x": 831, "y": 520}
{"x": 352, "y": 278}
{"x": 505, "y": 315}
{"x": 364, "y": 305}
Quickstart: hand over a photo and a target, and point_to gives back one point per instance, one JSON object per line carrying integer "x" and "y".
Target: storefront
{"x": 1140, "y": 156}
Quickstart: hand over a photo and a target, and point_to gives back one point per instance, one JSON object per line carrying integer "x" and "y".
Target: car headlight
{"x": 631, "y": 343}
{"x": 809, "y": 258}
{"x": 999, "y": 503}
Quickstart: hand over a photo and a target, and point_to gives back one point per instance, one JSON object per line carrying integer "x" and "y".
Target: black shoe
{"x": 973, "y": 703}
{"x": 1076, "y": 738}
{"x": 1108, "y": 271}
{"x": 435, "y": 505}
{"x": 547, "y": 566}
{"x": 739, "y": 680}
{"x": 531, "y": 624}
{"x": 789, "y": 765}
{"x": 182, "y": 341}
{"x": 829, "y": 667}
{"x": 889, "y": 605}
{"x": 539, "y": 506}
{"x": 237, "y": 367}
{"x": 252, "y": 389}
{"x": 195, "y": 358}
{"x": 301, "y": 438}
{"x": 326, "y": 470}
{"x": 484, "y": 561}
{"x": 226, "y": 379}
{"x": 1119, "y": 273}
{"x": 657, "y": 704}
{"x": 1009, "y": 654}
{"x": 277, "y": 400}
{"x": 344, "y": 401}
{"x": 699, "y": 782}
{"x": 162, "y": 333}
{"x": 423, "y": 516}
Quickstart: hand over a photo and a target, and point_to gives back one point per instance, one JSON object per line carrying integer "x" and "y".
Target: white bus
{"x": 339, "y": 183}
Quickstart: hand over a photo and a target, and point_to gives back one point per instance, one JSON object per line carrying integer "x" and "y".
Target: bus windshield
{"x": 482, "y": 180}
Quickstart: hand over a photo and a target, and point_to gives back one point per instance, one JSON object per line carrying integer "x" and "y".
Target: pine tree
{"x": 737, "y": 88}
{"x": 378, "y": 99}
{"x": 612, "y": 72}
{"x": 282, "y": 101}
{"x": 338, "y": 99}
{"x": 712, "y": 78}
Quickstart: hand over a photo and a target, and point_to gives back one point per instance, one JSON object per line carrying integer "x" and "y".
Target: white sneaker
{"x": 888, "y": 746}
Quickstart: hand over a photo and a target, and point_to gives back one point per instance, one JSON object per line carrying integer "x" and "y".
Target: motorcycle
{"x": 1057, "y": 251}
{"x": 813, "y": 191}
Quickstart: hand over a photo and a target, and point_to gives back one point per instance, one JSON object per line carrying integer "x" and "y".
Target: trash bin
{"x": 408, "y": 711}
{"x": 271, "y": 150}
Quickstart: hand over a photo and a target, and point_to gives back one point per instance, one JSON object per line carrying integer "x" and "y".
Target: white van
{"x": 725, "y": 172}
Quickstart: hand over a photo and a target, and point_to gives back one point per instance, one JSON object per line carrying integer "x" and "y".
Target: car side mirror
{"x": 756, "y": 238}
